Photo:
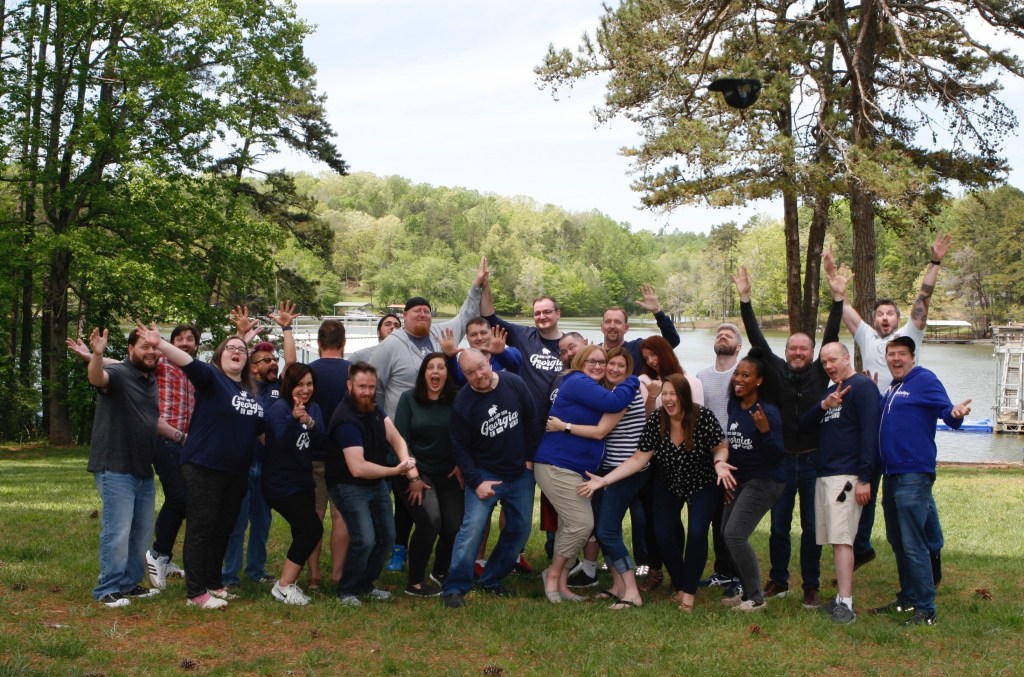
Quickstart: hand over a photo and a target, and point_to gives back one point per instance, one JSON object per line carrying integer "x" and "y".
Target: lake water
{"x": 967, "y": 371}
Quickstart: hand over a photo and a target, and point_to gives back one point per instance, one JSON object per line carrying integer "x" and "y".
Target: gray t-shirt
{"x": 716, "y": 392}
{"x": 124, "y": 427}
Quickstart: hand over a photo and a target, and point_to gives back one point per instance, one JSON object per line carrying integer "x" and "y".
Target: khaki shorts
{"x": 320, "y": 490}
{"x": 835, "y": 521}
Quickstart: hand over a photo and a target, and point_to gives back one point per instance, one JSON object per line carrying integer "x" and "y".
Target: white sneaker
{"x": 289, "y": 594}
{"x": 114, "y": 600}
{"x": 211, "y": 603}
{"x": 350, "y": 600}
{"x": 157, "y": 569}
{"x": 377, "y": 593}
{"x": 174, "y": 570}
{"x": 750, "y": 605}
{"x": 222, "y": 593}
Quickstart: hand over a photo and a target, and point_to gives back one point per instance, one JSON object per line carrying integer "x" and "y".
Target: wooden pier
{"x": 1009, "y": 351}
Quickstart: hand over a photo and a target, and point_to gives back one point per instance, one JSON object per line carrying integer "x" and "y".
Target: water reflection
{"x": 967, "y": 371}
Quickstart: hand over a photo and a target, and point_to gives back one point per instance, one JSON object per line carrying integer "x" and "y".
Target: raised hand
{"x": 941, "y": 246}
{"x": 742, "y": 281}
{"x": 448, "y": 344}
{"x": 246, "y": 328}
{"x": 828, "y": 261}
{"x": 285, "y": 313}
{"x": 98, "y": 341}
{"x": 839, "y": 281}
{"x": 835, "y": 398}
{"x": 499, "y": 338}
{"x": 649, "y": 299}
{"x": 148, "y": 334}
{"x": 482, "y": 274}
{"x": 78, "y": 347}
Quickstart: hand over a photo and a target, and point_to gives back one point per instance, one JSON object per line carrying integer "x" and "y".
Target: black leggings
{"x": 299, "y": 510}
{"x": 213, "y": 499}
{"x": 440, "y": 515}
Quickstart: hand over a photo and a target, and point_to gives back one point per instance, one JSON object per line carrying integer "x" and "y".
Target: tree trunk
{"x": 55, "y": 330}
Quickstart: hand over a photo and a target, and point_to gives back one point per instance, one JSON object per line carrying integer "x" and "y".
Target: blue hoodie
{"x": 906, "y": 433}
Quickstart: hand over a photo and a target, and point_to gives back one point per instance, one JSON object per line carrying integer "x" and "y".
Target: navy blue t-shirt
{"x": 331, "y": 386}
{"x": 225, "y": 422}
{"x": 847, "y": 434}
{"x": 287, "y": 457}
{"x": 756, "y": 455}
{"x": 541, "y": 363}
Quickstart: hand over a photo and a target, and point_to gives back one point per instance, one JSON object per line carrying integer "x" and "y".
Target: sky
{"x": 444, "y": 93}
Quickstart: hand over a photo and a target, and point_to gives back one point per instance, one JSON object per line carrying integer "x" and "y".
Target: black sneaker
{"x": 581, "y": 579}
{"x": 716, "y": 580}
{"x": 862, "y": 558}
{"x": 426, "y": 589}
{"x": 891, "y": 608}
{"x": 114, "y": 600}
{"x": 453, "y": 600}
{"x": 734, "y": 589}
{"x": 920, "y": 618}
{"x": 498, "y": 590}
{"x": 139, "y": 592}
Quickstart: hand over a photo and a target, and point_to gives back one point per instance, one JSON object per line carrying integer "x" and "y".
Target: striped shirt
{"x": 621, "y": 442}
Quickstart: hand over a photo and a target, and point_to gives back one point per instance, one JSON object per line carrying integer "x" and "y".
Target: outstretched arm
{"x": 742, "y": 281}
{"x": 284, "y": 317}
{"x": 97, "y": 374}
{"x": 649, "y": 302}
{"x": 851, "y": 318}
{"x": 919, "y": 312}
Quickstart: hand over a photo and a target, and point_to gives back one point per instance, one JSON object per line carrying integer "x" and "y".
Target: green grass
{"x": 50, "y": 625}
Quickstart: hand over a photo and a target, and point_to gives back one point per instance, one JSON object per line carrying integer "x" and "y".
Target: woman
{"x": 215, "y": 459}
{"x": 755, "y": 465}
{"x": 435, "y": 499}
{"x": 621, "y": 433}
{"x": 562, "y": 459}
{"x": 659, "y": 362}
{"x": 687, "y": 446}
{"x": 295, "y": 427}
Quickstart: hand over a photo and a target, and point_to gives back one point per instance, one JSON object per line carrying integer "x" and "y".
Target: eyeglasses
{"x": 543, "y": 313}
{"x": 265, "y": 359}
{"x": 234, "y": 348}
{"x": 842, "y": 495}
{"x": 595, "y": 363}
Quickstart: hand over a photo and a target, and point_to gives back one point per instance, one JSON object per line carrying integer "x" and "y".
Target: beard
{"x": 363, "y": 405}
{"x": 722, "y": 349}
{"x": 143, "y": 366}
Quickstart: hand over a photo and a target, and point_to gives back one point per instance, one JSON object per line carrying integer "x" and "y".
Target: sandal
{"x": 655, "y": 577}
{"x": 607, "y": 594}
{"x": 686, "y": 608}
{"x": 314, "y": 584}
{"x": 624, "y": 604}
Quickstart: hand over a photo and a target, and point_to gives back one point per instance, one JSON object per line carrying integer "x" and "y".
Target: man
{"x": 254, "y": 512}
{"x": 913, "y": 401}
{"x": 385, "y": 326}
{"x": 494, "y": 432}
{"x": 121, "y": 460}
{"x": 177, "y": 399}
{"x": 872, "y": 341}
{"x": 397, "y": 359}
{"x": 361, "y": 435}
{"x": 539, "y": 343}
{"x": 716, "y": 380}
{"x": 331, "y": 370}
{"x": 492, "y": 342}
{"x": 800, "y": 383}
{"x": 847, "y": 449}
{"x": 615, "y": 324}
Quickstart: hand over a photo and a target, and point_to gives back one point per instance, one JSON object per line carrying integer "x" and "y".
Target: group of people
{"x": 453, "y": 431}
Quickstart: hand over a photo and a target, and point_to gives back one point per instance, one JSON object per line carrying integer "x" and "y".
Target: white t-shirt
{"x": 872, "y": 349}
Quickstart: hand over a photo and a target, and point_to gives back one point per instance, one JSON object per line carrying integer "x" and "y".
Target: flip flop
{"x": 624, "y": 604}
{"x": 607, "y": 594}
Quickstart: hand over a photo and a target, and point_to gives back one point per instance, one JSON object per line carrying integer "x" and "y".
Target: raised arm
{"x": 173, "y": 353}
{"x": 245, "y": 328}
{"x": 919, "y": 311}
{"x": 753, "y": 329}
{"x": 96, "y": 373}
{"x": 649, "y": 302}
{"x": 851, "y": 318}
{"x": 79, "y": 348}
{"x": 284, "y": 317}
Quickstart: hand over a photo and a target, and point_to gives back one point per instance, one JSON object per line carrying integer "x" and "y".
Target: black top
{"x": 124, "y": 426}
{"x": 349, "y": 428}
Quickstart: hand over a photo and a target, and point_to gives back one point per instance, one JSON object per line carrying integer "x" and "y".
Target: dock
{"x": 1009, "y": 351}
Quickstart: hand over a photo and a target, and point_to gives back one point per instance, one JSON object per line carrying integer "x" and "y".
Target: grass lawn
{"x": 49, "y": 624}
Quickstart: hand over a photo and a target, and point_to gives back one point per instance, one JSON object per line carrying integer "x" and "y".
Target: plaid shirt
{"x": 177, "y": 395}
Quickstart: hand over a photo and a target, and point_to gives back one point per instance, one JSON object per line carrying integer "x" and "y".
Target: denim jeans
{"x": 912, "y": 526}
{"x": 684, "y": 551}
{"x": 801, "y": 474}
{"x": 754, "y": 498}
{"x": 371, "y": 526}
{"x": 610, "y": 506}
{"x": 516, "y": 496}
{"x": 254, "y": 513}
{"x": 167, "y": 464}
{"x": 128, "y": 506}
